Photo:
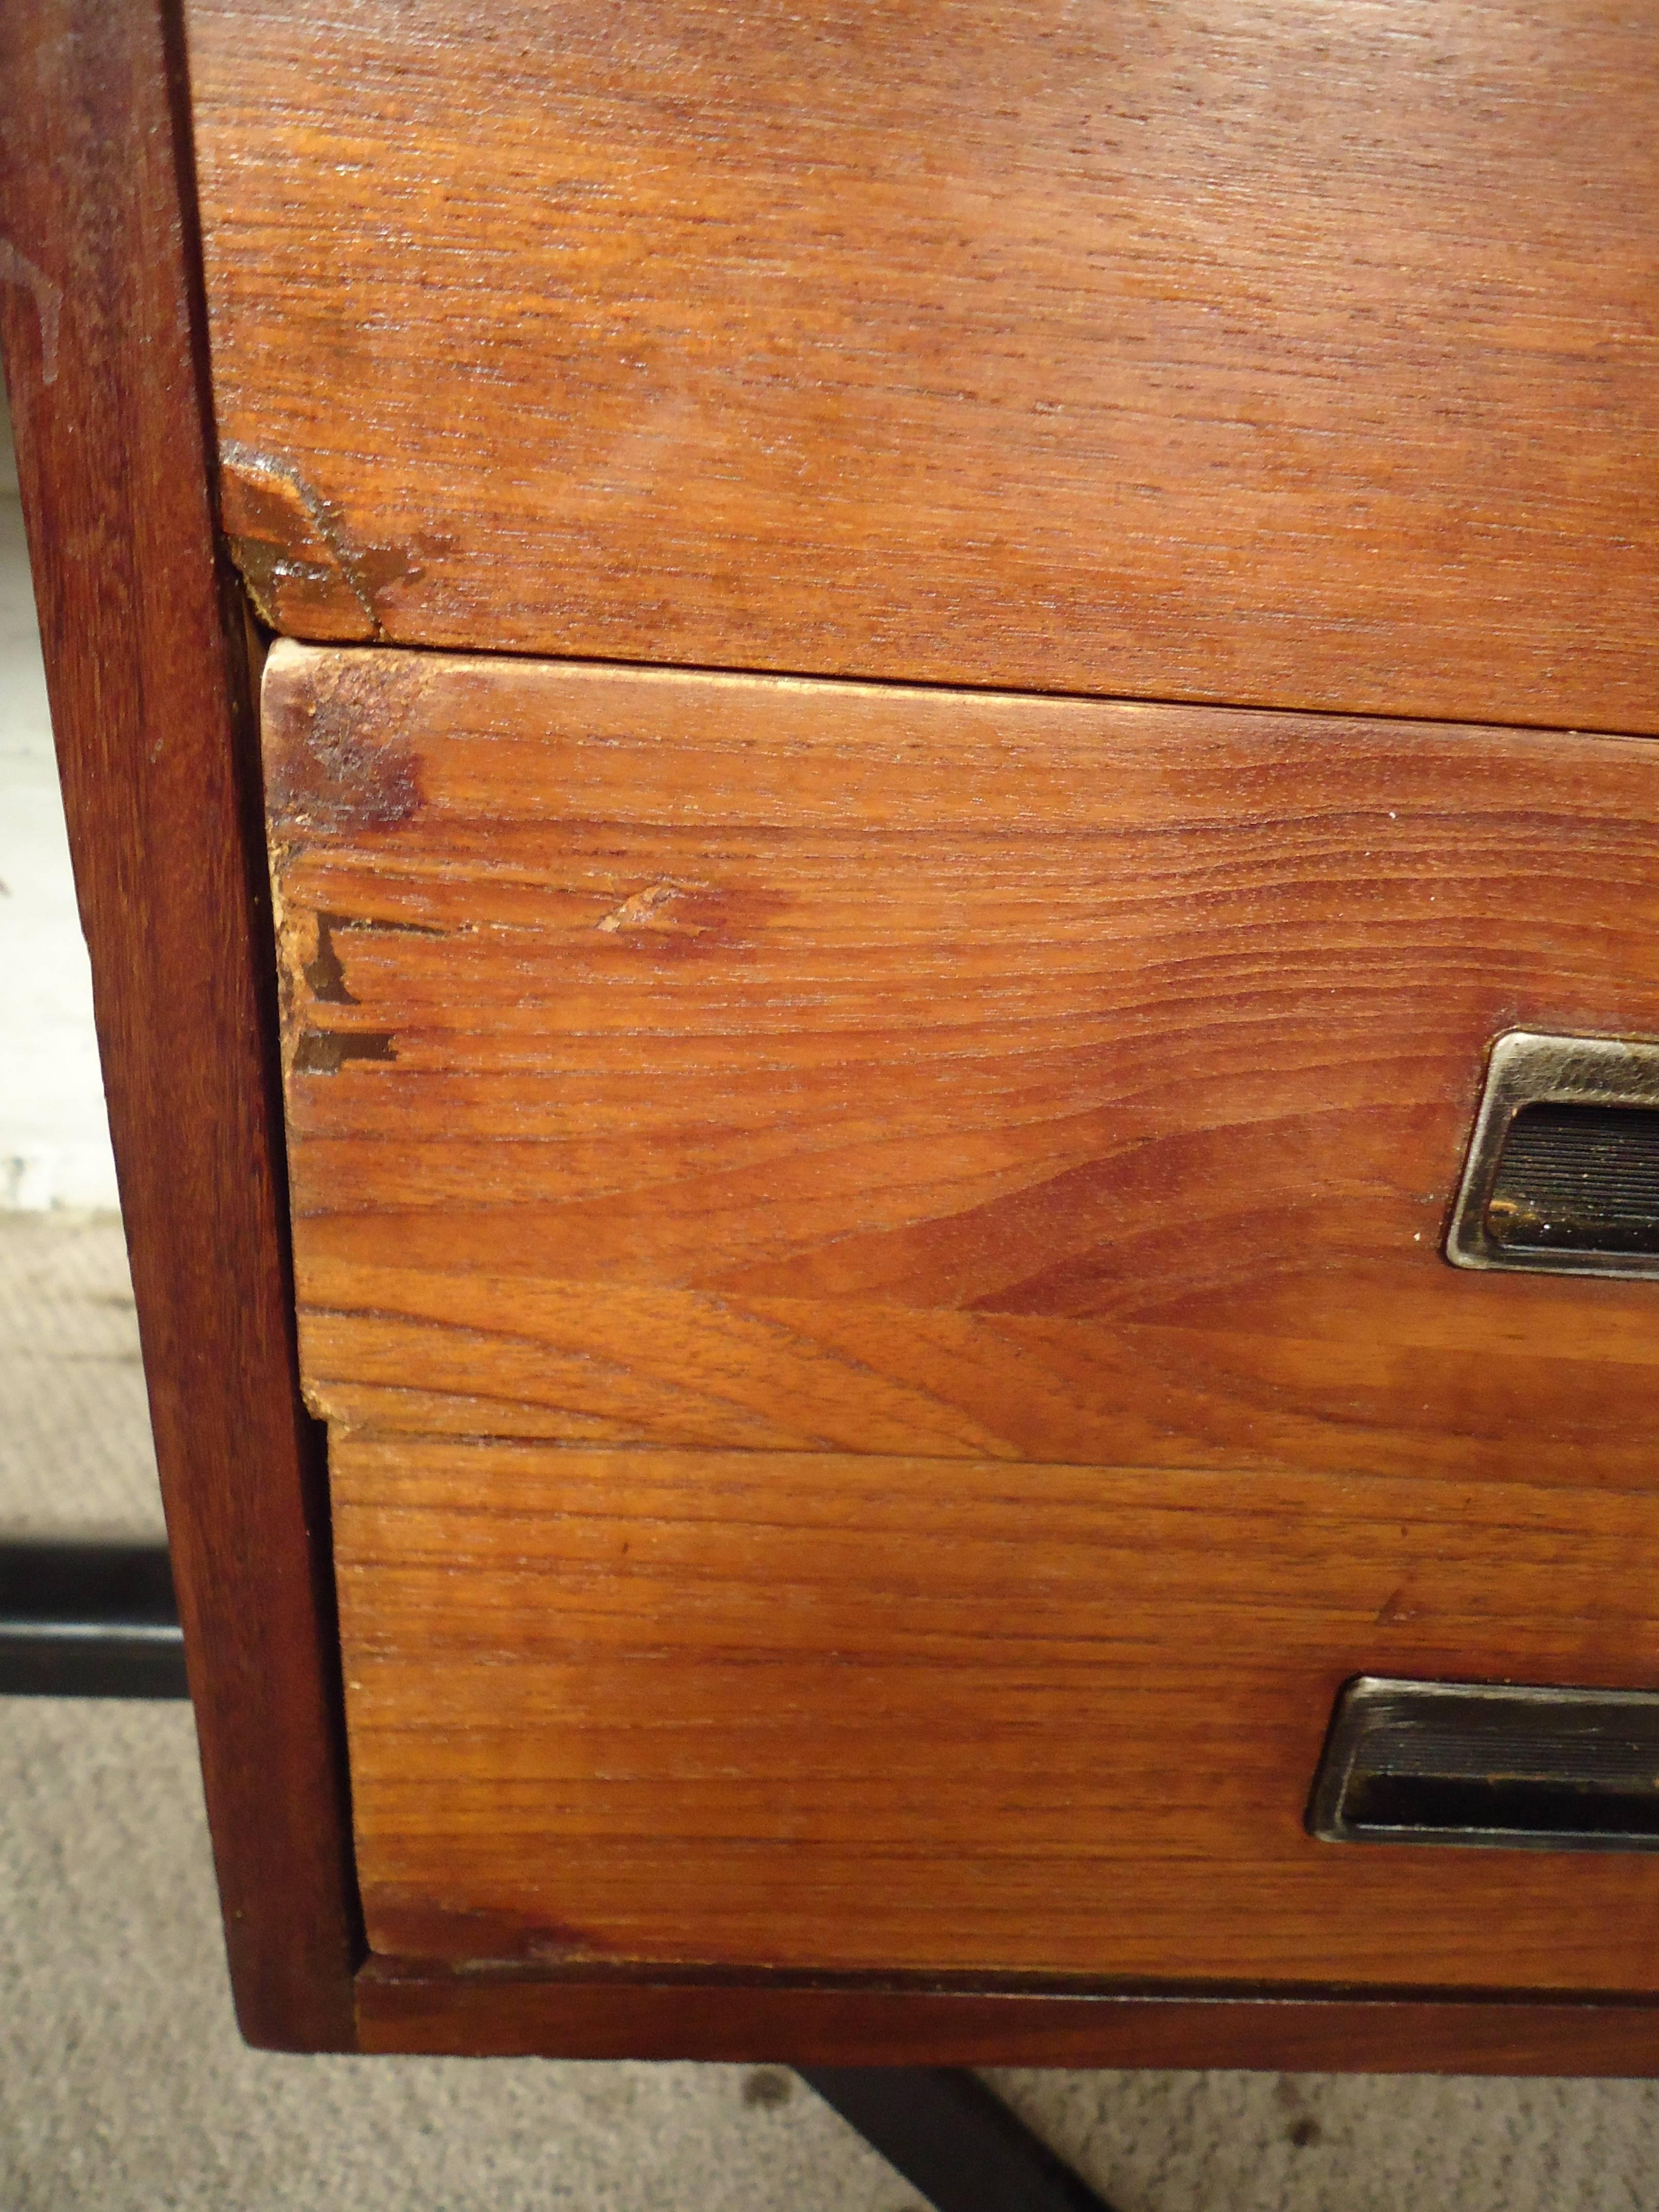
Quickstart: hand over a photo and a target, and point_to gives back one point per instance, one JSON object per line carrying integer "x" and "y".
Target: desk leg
{"x": 942, "y": 2129}
{"x": 89, "y": 1620}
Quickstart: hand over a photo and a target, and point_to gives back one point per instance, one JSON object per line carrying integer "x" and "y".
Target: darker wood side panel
{"x": 150, "y": 702}
{"x": 403, "y": 2007}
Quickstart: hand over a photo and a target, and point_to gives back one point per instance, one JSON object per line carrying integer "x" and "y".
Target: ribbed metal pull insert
{"x": 1507, "y": 1766}
{"x": 1563, "y": 1171}
{"x": 1578, "y": 1179}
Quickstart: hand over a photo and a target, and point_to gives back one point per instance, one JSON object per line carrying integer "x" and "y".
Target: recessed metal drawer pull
{"x": 1563, "y": 1172}
{"x": 1510, "y": 1767}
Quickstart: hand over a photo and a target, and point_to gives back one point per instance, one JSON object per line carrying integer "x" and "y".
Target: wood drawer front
{"x": 1271, "y": 353}
{"x": 734, "y": 1062}
{"x": 873, "y": 1260}
{"x": 813, "y": 1710}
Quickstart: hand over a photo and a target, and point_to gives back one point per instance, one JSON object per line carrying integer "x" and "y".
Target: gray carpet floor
{"x": 122, "y": 2084}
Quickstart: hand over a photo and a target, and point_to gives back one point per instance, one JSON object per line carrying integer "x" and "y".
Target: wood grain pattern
{"x": 151, "y": 705}
{"x": 819, "y": 1711}
{"x": 728, "y": 1063}
{"x": 404, "y": 2005}
{"x": 1261, "y": 352}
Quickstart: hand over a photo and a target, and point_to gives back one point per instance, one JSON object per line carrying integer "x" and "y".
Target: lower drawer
{"x": 811, "y": 1710}
{"x": 873, "y": 1260}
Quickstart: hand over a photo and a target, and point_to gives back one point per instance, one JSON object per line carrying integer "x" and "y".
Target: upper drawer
{"x": 730, "y": 1061}
{"x": 1271, "y": 353}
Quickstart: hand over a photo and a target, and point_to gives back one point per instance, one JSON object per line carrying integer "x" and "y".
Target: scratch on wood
{"x": 410, "y": 1921}
{"x": 644, "y": 910}
{"x": 16, "y": 267}
{"x": 375, "y": 925}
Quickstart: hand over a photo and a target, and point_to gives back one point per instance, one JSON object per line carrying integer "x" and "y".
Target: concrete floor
{"x": 122, "y": 2084}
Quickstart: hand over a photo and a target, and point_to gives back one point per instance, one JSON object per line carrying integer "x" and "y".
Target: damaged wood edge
{"x": 291, "y": 950}
{"x": 333, "y": 737}
{"x": 326, "y": 972}
{"x": 289, "y": 548}
{"x": 335, "y": 760}
{"x": 301, "y": 566}
{"x": 310, "y": 973}
{"x": 326, "y": 1052}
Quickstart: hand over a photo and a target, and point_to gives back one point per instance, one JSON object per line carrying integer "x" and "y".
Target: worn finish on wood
{"x": 725, "y": 1062}
{"x": 405, "y": 2006}
{"x": 287, "y": 547}
{"x": 146, "y": 670}
{"x": 1278, "y": 354}
{"x": 824, "y": 1711}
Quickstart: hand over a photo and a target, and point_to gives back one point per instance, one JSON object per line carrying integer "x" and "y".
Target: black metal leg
{"x": 951, "y": 2139}
{"x": 89, "y": 1620}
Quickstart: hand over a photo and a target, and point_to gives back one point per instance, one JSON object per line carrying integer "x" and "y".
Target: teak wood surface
{"x": 1265, "y": 353}
{"x": 724, "y": 1061}
{"x": 832, "y": 1713}
{"x": 1057, "y": 1102}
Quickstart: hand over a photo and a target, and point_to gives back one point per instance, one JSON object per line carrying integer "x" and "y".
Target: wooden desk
{"x": 942, "y": 675}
